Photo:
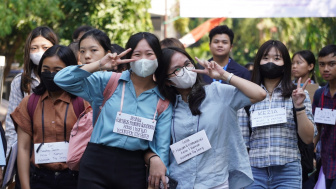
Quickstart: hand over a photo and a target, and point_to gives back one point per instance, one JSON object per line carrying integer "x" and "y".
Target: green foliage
{"x": 122, "y": 18}
{"x": 118, "y": 18}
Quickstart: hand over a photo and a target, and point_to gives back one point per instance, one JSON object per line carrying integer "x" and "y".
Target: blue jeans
{"x": 279, "y": 177}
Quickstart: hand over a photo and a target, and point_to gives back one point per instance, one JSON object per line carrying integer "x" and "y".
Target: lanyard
{"x": 174, "y": 124}
{"x": 225, "y": 67}
{"x": 65, "y": 117}
{"x": 322, "y": 102}
{"x": 122, "y": 102}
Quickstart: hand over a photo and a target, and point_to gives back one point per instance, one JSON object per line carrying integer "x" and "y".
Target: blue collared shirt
{"x": 90, "y": 86}
{"x": 227, "y": 158}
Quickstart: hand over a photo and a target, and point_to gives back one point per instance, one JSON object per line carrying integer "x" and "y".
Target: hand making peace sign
{"x": 110, "y": 61}
{"x": 298, "y": 94}
{"x": 212, "y": 69}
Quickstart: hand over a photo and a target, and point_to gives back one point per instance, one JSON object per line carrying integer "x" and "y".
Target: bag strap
{"x": 32, "y": 103}
{"x": 78, "y": 105}
{"x": 162, "y": 105}
{"x": 111, "y": 87}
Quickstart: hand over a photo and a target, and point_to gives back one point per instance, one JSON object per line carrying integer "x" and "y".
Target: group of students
{"x": 205, "y": 138}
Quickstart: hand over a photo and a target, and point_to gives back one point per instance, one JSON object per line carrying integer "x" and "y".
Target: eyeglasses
{"x": 179, "y": 72}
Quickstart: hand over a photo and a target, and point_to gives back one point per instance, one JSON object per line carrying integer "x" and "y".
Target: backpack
{"x": 306, "y": 150}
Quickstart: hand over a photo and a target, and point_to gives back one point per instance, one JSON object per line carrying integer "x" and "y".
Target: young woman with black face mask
{"x": 47, "y": 126}
{"x": 270, "y": 132}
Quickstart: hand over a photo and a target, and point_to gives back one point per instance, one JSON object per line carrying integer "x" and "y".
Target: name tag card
{"x": 134, "y": 126}
{"x": 325, "y": 116}
{"x": 51, "y": 152}
{"x": 268, "y": 117}
{"x": 190, "y": 147}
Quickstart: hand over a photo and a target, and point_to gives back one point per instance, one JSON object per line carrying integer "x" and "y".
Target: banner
{"x": 257, "y": 8}
{"x": 197, "y": 33}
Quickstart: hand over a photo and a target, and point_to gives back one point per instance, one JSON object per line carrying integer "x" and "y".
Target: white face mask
{"x": 36, "y": 57}
{"x": 186, "y": 81}
{"x": 144, "y": 67}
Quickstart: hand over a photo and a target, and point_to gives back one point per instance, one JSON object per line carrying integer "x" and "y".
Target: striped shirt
{"x": 15, "y": 98}
{"x": 273, "y": 144}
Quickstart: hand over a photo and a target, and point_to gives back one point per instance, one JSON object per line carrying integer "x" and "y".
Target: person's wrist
{"x": 225, "y": 75}
{"x": 151, "y": 157}
{"x": 301, "y": 108}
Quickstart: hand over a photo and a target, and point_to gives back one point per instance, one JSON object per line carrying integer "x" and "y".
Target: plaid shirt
{"x": 273, "y": 144}
{"x": 328, "y": 136}
{"x": 15, "y": 98}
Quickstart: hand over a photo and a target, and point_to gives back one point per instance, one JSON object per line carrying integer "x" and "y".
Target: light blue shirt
{"x": 227, "y": 158}
{"x": 90, "y": 86}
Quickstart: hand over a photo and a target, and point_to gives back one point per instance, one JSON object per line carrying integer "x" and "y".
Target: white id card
{"x": 134, "y": 126}
{"x": 51, "y": 152}
{"x": 268, "y": 117}
{"x": 190, "y": 147}
{"x": 325, "y": 116}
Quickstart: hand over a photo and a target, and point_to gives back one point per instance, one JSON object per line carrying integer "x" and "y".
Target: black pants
{"x": 46, "y": 179}
{"x": 104, "y": 167}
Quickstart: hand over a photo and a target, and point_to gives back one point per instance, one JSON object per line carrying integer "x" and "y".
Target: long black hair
{"x": 28, "y": 65}
{"x": 286, "y": 84}
{"x": 63, "y": 53}
{"x": 152, "y": 41}
{"x": 197, "y": 93}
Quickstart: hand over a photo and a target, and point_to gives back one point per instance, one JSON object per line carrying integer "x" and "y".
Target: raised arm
{"x": 108, "y": 62}
{"x": 305, "y": 126}
{"x": 215, "y": 71}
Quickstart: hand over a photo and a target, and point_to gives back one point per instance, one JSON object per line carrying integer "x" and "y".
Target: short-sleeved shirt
{"x": 275, "y": 144}
{"x": 328, "y": 135}
{"x": 227, "y": 159}
{"x": 54, "y": 115}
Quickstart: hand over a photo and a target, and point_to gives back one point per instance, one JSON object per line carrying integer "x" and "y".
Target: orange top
{"x": 54, "y": 114}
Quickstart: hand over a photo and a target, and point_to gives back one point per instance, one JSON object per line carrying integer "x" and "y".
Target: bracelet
{"x": 300, "y": 109}
{"x": 151, "y": 158}
{"x": 100, "y": 65}
{"x": 229, "y": 78}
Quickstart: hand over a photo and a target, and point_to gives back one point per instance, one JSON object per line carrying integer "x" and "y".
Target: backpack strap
{"x": 111, "y": 87}
{"x": 32, "y": 103}
{"x": 162, "y": 105}
{"x": 78, "y": 105}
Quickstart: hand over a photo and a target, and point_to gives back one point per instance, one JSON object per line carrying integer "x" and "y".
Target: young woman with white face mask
{"x": 113, "y": 158}
{"x": 210, "y": 109}
{"x": 38, "y": 41}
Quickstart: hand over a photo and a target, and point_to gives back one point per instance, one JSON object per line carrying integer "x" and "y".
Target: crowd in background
{"x": 209, "y": 123}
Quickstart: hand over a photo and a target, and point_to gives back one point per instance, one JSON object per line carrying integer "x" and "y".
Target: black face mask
{"x": 48, "y": 80}
{"x": 271, "y": 70}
